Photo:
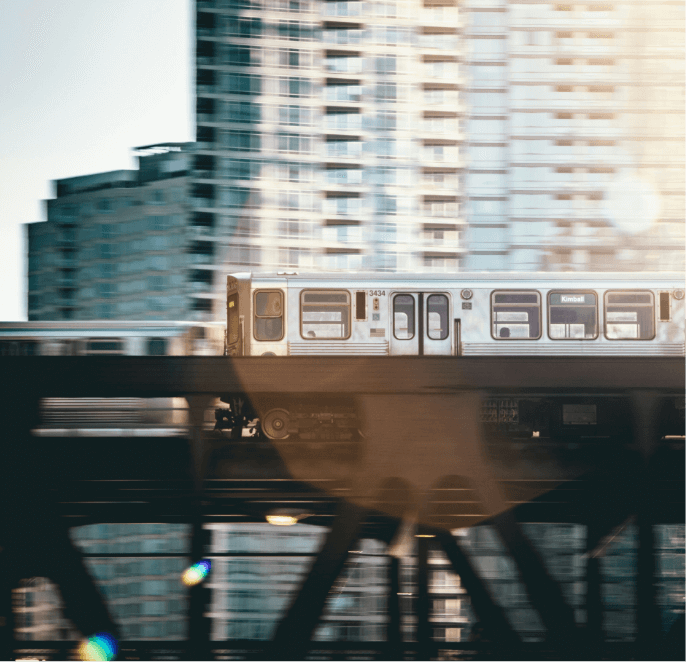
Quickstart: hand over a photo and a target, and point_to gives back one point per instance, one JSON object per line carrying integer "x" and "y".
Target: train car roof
{"x": 470, "y": 276}
{"x": 84, "y": 327}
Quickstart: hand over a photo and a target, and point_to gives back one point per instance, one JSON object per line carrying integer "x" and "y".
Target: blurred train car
{"x": 112, "y": 416}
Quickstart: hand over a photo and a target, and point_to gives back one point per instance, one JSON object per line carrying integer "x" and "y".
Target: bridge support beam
{"x": 505, "y": 640}
{"x": 393, "y": 628}
{"x": 199, "y": 625}
{"x": 544, "y": 592}
{"x": 423, "y": 606}
{"x": 646, "y": 409}
{"x": 294, "y": 632}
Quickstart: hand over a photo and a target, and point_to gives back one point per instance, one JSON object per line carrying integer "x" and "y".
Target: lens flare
{"x": 196, "y": 573}
{"x": 101, "y": 646}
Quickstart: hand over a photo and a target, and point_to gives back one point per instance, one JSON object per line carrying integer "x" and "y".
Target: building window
{"x": 294, "y": 143}
{"x": 107, "y": 290}
{"x": 234, "y": 55}
{"x": 245, "y": 28}
{"x": 293, "y": 86}
{"x": 108, "y": 250}
{"x": 234, "y": 83}
{"x": 294, "y": 58}
{"x": 241, "y": 112}
{"x": 241, "y": 141}
{"x": 296, "y": 115}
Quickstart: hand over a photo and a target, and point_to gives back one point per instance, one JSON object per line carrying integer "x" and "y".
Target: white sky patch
{"x": 82, "y": 83}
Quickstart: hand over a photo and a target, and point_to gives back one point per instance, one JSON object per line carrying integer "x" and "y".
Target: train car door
{"x": 420, "y": 324}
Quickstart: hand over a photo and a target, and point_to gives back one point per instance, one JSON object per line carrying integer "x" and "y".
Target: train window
{"x": 573, "y": 315}
{"x": 516, "y": 315}
{"x": 665, "y": 312}
{"x": 269, "y": 315}
{"x": 437, "y": 316}
{"x": 360, "y": 306}
{"x": 403, "y": 316}
{"x": 629, "y": 315}
{"x": 325, "y": 314}
{"x": 18, "y": 348}
{"x": 104, "y": 346}
{"x": 157, "y": 347}
{"x": 232, "y": 318}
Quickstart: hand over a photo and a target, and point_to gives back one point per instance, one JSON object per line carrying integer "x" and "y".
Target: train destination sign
{"x": 572, "y": 298}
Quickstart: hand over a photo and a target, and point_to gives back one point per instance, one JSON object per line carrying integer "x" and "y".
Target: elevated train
{"x": 344, "y": 314}
{"x": 461, "y": 315}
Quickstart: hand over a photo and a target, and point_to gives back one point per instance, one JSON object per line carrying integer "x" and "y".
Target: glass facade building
{"x": 257, "y": 570}
{"x": 122, "y": 245}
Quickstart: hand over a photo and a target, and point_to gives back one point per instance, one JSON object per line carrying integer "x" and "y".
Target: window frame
{"x": 255, "y": 316}
{"x": 540, "y": 312}
{"x": 366, "y": 306}
{"x": 597, "y": 318}
{"x": 157, "y": 339}
{"x": 605, "y": 311}
{"x": 91, "y": 351}
{"x": 447, "y": 329}
{"x": 349, "y": 305}
{"x": 414, "y": 314}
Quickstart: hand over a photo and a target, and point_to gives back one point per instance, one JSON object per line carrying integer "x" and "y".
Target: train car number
{"x": 377, "y": 293}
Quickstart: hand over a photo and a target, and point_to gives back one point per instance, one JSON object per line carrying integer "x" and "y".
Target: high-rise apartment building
{"x": 391, "y": 136}
{"x": 329, "y": 133}
{"x": 122, "y": 245}
{"x": 576, "y": 135}
{"x": 423, "y": 136}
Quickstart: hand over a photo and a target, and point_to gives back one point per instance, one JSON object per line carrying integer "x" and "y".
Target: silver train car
{"x": 461, "y": 315}
{"x": 468, "y": 314}
{"x": 111, "y": 416}
{"x": 99, "y": 337}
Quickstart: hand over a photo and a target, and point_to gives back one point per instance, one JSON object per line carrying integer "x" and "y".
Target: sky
{"x": 83, "y": 81}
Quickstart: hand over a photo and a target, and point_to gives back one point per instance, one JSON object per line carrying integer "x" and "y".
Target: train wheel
{"x": 275, "y": 424}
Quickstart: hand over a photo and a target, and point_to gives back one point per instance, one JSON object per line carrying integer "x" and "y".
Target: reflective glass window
{"x": 360, "y": 305}
{"x": 437, "y": 316}
{"x": 403, "y": 316}
{"x": 516, "y": 315}
{"x": 105, "y": 346}
{"x": 325, "y": 314}
{"x": 573, "y": 315}
{"x": 269, "y": 315}
{"x": 157, "y": 347}
{"x": 629, "y": 315}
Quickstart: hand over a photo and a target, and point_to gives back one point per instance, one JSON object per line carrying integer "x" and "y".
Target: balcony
{"x": 353, "y": 8}
{"x": 446, "y": 240}
{"x": 343, "y": 65}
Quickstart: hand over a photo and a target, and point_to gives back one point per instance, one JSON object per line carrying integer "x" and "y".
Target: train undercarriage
{"x": 565, "y": 419}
